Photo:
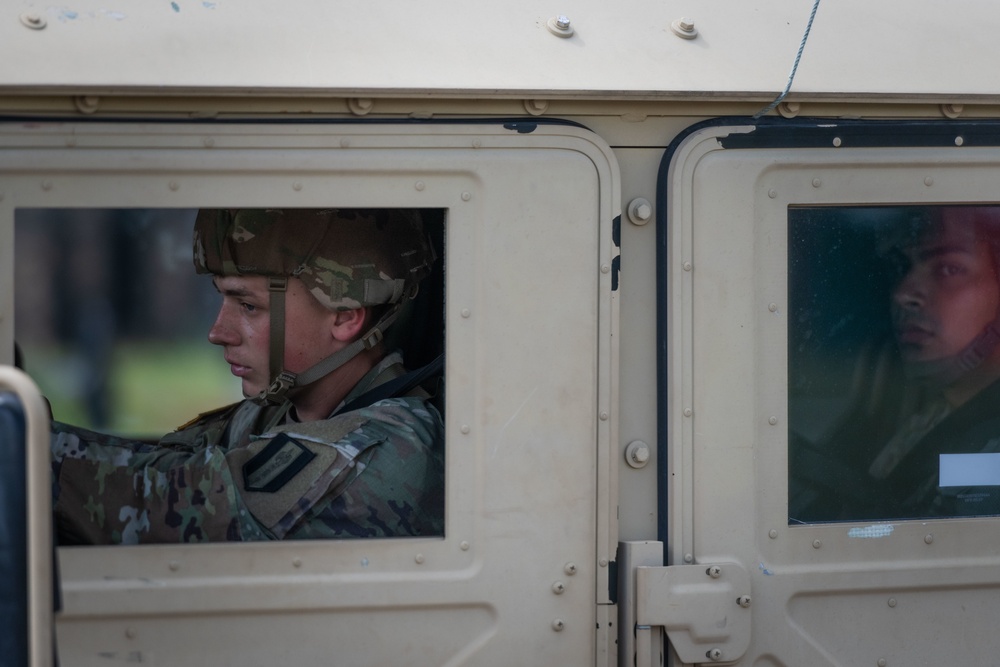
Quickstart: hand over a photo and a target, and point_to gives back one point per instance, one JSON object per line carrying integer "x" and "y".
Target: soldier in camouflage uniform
{"x": 307, "y": 295}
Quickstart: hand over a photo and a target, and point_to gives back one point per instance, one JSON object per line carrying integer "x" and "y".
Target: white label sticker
{"x": 969, "y": 470}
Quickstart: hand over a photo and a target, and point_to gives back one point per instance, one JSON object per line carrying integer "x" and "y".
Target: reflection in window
{"x": 894, "y": 362}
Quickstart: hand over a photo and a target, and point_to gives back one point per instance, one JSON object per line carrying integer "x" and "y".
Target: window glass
{"x": 893, "y": 362}
{"x": 112, "y": 321}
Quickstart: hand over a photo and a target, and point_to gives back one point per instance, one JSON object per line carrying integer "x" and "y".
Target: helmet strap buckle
{"x": 275, "y": 393}
{"x": 372, "y": 338}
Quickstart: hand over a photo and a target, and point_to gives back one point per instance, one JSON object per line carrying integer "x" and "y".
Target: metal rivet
{"x": 466, "y": 313}
{"x": 174, "y": 565}
{"x": 570, "y": 568}
{"x": 714, "y": 654}
{"x": 466, "y": 196}
{"x": 297, "y": 187}
{"x": 837, "y": 142}
{"x": 560, "y": 26}
{"x": 637, "y": 454}
{"x": 296, "y": 562}
{"x": 772, "y": 193}
{"x": 419, "y": 559}
{"x": 688, "y": 412}
{"x": 604, "y": 416}
{"x": 603, "y": 562}
{"x": 688, "y": 558}
{"x": 959, "y": 141}
{"x": 605, "y": 268}
{"x": 32, "y": 20}
{"x": 789, "y": 109}
{"x": 684, "y": 28}
{"x": 87, "y": 104}
{"x": 687, "y": 266}
{"x": 419, "y": 185}
{"x": 46, "y": 185}
{"x": 465, "y": 429}
{"x": 743, "y": 601}
{"x": 476, "y": 143}
{"x": 928, "y": 538}
{"x": 464, "y": 545}
{"x": 817, "y": 544}
{"x": 928, "y": 181}
{"x": 772, "y": 420}
{"x": 881, "y": 662}
{"x": 952, "y": 110}
{"x": 130, "y": 633}
{"x": 892, "y": 602}
{"x": 773, "y": 307}
{"x": 558, "y": 588}
{"x": 714, "y": 571}
{"x": 817, "y": 182}
{"x": 773, "y": 534}
{"x": 558, "y": 625}
{"x": 345, "y": 143}
{"x": 536, "y": 107}
{"x": 640, "y": 211}
{"x": 360, "y": 106}
{"x": 174, "y": 186}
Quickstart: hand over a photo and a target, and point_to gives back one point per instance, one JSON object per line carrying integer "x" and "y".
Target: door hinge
{"x": 704, "y": 608}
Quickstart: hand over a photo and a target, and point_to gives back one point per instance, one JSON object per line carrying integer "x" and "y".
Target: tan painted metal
{"x": 548, "y": 382}
{"x": 742, "y": 51}
{"x": 531, "y": 432}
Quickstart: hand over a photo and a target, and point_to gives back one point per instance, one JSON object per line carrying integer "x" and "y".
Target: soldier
{"x": 316, "y": 450}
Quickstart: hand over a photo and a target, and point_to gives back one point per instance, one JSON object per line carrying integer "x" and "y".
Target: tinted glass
{"x": 894, "y": 362}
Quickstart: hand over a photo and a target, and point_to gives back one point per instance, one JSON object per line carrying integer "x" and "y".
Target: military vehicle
{"x": 660, "y": 228}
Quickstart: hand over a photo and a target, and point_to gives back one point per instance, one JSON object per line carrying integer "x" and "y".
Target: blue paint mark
{"x": 765, "y": 570}
{"x": 877, "y": 530}
{"x": 176, "y": 7}
{"x": 68, "y": 14}
{"x": 208, "y": 5}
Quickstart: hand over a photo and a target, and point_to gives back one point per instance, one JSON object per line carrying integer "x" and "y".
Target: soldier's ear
{"x": 349, "y": 324}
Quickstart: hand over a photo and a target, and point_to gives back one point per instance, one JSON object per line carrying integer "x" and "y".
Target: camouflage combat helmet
{"x": 347, "y": 258}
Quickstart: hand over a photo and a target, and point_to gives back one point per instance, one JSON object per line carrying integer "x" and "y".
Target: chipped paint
{"x": 875, "y": 530}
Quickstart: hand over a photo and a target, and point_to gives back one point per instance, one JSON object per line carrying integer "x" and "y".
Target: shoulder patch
{"x": 275, "y": 465}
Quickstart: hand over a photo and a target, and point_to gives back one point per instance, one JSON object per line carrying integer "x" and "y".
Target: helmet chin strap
{"x": 284, "y": 381}
{"x": 950, "y": 369}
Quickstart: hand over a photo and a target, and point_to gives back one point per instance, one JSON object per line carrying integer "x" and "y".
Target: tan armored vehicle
{"x": 702, "y": 405}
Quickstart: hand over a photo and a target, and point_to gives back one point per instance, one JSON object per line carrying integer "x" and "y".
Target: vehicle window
{"x": 893, "y": 362}
{"x": 137, "y": 355}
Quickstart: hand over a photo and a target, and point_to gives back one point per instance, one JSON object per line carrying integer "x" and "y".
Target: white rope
{"x": 795, "y": 66}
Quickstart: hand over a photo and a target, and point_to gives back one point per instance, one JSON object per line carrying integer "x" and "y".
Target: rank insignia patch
{"x": 275, "y": 465}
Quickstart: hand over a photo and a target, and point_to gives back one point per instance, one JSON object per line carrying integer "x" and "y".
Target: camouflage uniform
{"x": 245, "y": 472}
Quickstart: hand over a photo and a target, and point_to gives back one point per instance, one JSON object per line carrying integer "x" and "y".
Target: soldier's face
{"x": 949, "y": 292}
{"x": 243, "y": 326}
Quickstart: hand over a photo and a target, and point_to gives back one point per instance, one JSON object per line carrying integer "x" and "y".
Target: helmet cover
{"x": 347, "y": 258}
